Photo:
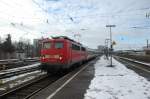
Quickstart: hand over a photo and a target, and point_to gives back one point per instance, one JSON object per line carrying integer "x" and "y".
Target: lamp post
{"x": 147, "y": 43}
{"x": 111, "y": 46}
{"x": 106, "y": 47}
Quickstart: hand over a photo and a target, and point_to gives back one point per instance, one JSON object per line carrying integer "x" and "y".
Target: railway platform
{"x": 98, "y": 81}
{"x": 72, "y": 86}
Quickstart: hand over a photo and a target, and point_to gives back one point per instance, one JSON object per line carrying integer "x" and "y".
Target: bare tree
{"x": 7, "y": 46}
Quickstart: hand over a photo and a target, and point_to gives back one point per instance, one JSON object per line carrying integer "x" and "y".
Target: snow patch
{"x": 117, "y": 82}
{"x": 18, "y": 76}
{"x": 2, "y": 89}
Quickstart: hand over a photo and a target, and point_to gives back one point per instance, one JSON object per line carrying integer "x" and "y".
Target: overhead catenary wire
{"x": 94, "y": 15}
{"x": 101, "y": 15}
{"x": 12, "y": 8}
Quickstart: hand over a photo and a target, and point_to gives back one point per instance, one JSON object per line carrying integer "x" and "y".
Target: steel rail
{"x": 11, "y": 72}
{"x": 137, "y": 64}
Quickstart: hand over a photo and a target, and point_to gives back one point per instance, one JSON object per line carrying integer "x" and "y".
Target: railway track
{"x": 17, "y": 71}
{"x": 135, "y": 64}
{"x": 26, "y": 91}
{"x": 13, "y": 63}
{"x": 16, "y": 60}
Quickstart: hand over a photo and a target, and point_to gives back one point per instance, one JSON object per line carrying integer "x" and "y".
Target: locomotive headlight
{"x": 60, "y": 57}
{"x": 43, "y": 57}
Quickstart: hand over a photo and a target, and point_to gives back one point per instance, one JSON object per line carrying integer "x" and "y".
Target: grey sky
{"x": 37, "y": 18}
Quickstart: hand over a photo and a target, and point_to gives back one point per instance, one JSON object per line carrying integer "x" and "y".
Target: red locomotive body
{"x": 61, "y": 53}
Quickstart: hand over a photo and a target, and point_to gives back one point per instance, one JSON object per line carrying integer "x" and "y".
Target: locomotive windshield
{"x": 58, "y": 45}
{"x": 47, "y": 45}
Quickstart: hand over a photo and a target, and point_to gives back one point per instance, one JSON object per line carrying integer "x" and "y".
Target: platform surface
{"x": 75, "y": 89}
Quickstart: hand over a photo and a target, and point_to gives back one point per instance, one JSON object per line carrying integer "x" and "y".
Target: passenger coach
{"x": 61, "y": 53}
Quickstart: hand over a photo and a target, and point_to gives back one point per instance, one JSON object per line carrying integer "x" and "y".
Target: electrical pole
{"x": 147, "y": 43}
{"x": 107, "y": 48}
{"x": 111, "y": 46}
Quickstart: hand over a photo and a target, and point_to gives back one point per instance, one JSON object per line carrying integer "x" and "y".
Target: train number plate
{"x": 56, "y": 56}
{"x": 51, "y": 56}
{"x": 47, "y": 56}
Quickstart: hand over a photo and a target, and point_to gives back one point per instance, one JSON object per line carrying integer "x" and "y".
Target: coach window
{"x": 75, "y": 47}
{"x": 46, "y": 45}
{"x": 83, "y": 49}
{"x": 58, "y": 45}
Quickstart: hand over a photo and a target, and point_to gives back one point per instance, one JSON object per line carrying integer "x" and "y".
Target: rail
{"x": 17, "y": 71}
{"x": 135, "y": 61}
{"x": 33, "y": 87}
{"x": 5, "y": 64}
{"x": 135, "y": 64}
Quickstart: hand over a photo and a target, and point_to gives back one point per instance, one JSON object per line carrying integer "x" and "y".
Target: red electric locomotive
{"x": 61, "y": 53}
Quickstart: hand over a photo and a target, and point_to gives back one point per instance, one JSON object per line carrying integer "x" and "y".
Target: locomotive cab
{"x": 52, "y": 51}
{"x": 53, "y": 54}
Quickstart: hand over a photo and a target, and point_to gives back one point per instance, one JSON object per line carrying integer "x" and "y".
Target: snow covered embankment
{"x": 117, "y": 82}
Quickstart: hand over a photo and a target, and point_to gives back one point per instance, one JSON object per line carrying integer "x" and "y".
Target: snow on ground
{"x": 19, "y": 68}
{"x": 18, "y": 82}
{"x": 117, "y": 82}
{"x": 28, "y": 76}
{"x": 19, "y": 76}
{"x": 145, "y": 63}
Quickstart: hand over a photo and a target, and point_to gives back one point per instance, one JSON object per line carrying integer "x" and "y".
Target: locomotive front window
{"x": 58, "y": 45}
{"x": 46, "y": 45}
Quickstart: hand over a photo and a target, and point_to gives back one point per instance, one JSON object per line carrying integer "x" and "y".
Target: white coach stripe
{"x": 55, "y": 92}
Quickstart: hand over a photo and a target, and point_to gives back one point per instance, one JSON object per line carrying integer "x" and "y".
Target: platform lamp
{"x": 111, "y": 45}
{"x": 106, "y": 47}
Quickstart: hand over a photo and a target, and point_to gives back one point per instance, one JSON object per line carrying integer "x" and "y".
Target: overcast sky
{"x": 31, "y": 19}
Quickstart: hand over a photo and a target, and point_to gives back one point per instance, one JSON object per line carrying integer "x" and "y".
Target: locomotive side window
{"x": 46, "y": 45}
{"x": 58, "y": 45}
{"x": 75, "y": 47}
{"x": 83, "y": 49}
